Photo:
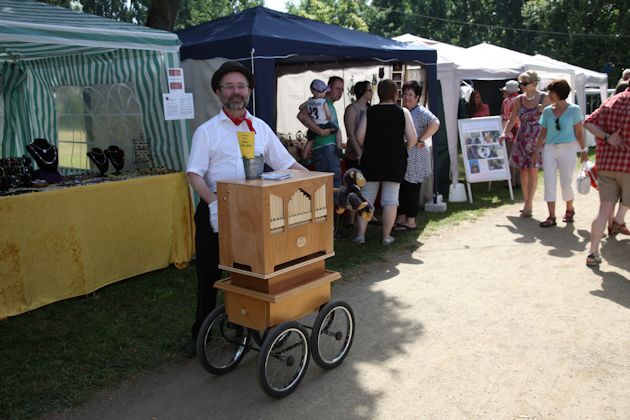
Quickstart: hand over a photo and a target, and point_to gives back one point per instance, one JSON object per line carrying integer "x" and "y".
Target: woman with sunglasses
{"x": 527, "y": 108}
{"x": 561, "y": 133}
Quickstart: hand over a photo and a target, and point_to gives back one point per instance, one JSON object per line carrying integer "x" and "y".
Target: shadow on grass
{"x": 61, "y": 355}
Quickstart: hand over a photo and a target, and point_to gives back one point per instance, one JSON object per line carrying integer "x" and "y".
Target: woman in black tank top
{"x": 385, "y": 133}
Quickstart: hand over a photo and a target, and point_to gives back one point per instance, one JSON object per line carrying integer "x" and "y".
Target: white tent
{"x": 482, "y": 62}
{"x": 583, "y": 78}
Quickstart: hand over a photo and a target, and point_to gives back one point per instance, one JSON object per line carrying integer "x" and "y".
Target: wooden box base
{"x": 282, "y": 282}
{"x": 257, "y": 310}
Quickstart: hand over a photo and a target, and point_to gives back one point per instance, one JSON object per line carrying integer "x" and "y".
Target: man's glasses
{"x": 558, "y": 124}
{"x": 239, "y": 86}
{"x": 523, "y": 83}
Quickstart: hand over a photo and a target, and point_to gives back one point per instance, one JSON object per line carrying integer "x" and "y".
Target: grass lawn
{"x": 60, "y": 355}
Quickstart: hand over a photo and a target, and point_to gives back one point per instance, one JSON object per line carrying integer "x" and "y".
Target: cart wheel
{"x": 332, "y": 334}
{"x": 221, "y": 345}
{"x": 283, "y": 359}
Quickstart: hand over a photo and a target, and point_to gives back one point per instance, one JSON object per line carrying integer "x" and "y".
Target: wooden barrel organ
{"x": 274, "y": 237}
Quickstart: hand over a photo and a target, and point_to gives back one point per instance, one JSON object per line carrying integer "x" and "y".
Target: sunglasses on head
{"x": 558, "y": 124}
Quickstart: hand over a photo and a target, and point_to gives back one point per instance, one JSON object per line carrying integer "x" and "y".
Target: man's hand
{"x": 615, "y": 138}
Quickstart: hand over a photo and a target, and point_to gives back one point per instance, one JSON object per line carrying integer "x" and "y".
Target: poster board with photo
{"x": 485, "y": 159}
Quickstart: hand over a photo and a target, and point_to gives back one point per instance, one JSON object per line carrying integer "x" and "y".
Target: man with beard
{"x": 215, "y": 155}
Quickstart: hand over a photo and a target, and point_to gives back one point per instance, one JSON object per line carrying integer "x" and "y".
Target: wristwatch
{"x": 606, "y": 135}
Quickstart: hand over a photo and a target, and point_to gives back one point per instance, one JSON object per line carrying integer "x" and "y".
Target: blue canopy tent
{"x": 265, "y": 39}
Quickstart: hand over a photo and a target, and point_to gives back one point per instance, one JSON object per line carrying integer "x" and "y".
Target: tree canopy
{"x": 590, "y": 33}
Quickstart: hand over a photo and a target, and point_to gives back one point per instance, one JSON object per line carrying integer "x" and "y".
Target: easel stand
{"x": 509, "y": 181}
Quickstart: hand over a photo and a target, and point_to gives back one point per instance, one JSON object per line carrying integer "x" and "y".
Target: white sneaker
{"x": 388, "y": 240}
{"x": 359, "y": 239}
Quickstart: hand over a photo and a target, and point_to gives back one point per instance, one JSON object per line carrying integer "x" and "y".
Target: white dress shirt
{"x": 216, "y": 156}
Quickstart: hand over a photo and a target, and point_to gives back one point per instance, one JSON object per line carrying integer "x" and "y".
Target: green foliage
{"x": 194, "y": 12}
{"x": 606, "y": 21}
{"x": 588, "y": 33}
{"x": 555, "y": 28}
{"x": 112, "y": 9}
{"x": 347, "y": 13}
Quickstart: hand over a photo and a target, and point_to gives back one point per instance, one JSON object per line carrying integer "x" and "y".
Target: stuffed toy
{"x": 349, "y": 195}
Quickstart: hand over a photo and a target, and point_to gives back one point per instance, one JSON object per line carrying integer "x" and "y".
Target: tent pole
{"x": 254, "y": 73}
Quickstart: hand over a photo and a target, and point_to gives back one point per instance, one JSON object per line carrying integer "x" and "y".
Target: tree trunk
{"x": 162, "y": 14}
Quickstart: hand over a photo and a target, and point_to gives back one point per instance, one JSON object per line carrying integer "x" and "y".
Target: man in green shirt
{"x": 325, "y": 144}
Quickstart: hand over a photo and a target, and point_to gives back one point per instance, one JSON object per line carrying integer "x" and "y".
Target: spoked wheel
{"x": 332, "y": 334}
{"x": 221, "y": 345}
{"x": 283, "y": 359}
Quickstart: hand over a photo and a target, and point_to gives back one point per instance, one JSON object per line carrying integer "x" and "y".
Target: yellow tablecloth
{"x": 69, "y": 242}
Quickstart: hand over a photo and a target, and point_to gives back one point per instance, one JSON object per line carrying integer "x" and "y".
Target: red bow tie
{"x": 237, "y": 121}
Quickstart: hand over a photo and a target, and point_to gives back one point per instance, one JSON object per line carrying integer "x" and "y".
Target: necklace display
{"x": 46, "y": 156}
{"x": 40, "y": 152}
{"x": 42, "y": 149}
{"x": 117, "y": 156}
{"x": 100, "y": 160}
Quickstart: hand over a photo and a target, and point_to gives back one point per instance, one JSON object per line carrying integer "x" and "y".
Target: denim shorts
{"x": 325, "y": 159}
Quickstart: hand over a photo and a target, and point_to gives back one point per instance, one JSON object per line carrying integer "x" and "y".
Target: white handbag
{"x": 584, "y": 178}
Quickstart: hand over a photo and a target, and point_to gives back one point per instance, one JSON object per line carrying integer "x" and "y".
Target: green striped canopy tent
{"x": 45, "y": 47}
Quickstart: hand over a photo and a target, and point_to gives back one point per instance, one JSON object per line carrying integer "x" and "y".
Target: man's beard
{"x": 229, "y": 102}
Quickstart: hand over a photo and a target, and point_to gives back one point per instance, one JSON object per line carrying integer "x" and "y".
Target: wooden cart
{"x": 274, "y": 238}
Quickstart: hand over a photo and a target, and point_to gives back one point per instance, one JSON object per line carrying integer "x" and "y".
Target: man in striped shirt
{"x": 611, "y": 126}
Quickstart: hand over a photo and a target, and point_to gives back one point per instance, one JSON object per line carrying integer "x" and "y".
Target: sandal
{"x": 568, "y": 216}
{"x": 525, "y": 213}
{"x": 619, "y": 228}
{"x": 593, "y": 260}
{"x": 399, "y": 227}
{"x": 551, "y": 221}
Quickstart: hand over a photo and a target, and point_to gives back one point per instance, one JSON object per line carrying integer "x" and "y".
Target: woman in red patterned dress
{"x": 526, "y": 108}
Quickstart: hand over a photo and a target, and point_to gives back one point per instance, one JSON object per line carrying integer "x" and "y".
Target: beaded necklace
{"x": 94, "y": 155}
{"x": 40, "y": 155}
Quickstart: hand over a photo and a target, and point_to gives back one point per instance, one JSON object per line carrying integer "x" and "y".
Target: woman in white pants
{"x": 562, "y": 135}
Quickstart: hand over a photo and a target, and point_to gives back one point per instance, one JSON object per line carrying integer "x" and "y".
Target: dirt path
{"x": 493, "y": 318}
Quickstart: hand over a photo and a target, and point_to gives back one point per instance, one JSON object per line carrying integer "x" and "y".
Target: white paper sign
{"x": 178, "y": 106}
{"x": 176, "y": 80}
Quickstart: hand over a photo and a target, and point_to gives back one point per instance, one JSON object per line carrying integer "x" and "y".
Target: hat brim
{"x": 231, "y": 67}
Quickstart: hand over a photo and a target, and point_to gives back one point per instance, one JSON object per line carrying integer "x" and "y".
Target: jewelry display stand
{"x": 47, "y": 159}
{"x": 116, "y": 156}
{"x": 97, "y": 156}
{"x": 142, "y": 153}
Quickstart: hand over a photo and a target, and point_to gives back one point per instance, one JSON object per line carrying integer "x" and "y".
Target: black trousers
{"x": 409, "y": 198}
{"x": 207, "y": 251}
